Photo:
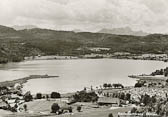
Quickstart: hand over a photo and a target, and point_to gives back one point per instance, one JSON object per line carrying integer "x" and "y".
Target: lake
{"x": 77, "y": 74}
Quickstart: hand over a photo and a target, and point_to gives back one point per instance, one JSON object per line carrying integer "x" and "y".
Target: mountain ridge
{"x": 15, "y": 45}
{"x": 122, "y": 31}
{"x": 23, "y": 27}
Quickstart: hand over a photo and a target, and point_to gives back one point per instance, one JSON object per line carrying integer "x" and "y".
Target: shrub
{"x": 13, "y": 109}
{"x": 122, "y": 96}
{"x": 70, "y": 109}
{"x": 38, "y": 95}
{"x": 25, "y": 107}
{"x": 55, "y": 95}
{"x": 55, "y": 108}
{"x": 128, "y": 96}
{"x": 167, "y": 81}
{"x": 146, "y": 99}
{"x": 110, "y": 115}
{"x": 79, "y": 108}
{"x": 133, "y": 110}
{"x": 47, "y": 97}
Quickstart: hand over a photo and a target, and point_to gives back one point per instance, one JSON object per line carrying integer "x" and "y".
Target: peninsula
{"x": 24, "y": 80}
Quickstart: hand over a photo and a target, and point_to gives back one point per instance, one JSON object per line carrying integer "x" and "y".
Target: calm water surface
{"x": 77, "y": 74}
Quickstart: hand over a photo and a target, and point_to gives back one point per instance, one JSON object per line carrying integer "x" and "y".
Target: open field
{"x": 42, "y": 107}
{"x": 100, "y": 112}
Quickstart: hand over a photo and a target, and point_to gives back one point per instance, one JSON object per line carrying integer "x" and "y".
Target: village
{"x": 83, "y": 58}
{"x": 97, "y": 54}
{"x": 148, "y": 98}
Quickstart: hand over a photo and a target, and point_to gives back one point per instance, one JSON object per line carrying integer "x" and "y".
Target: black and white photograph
{"x": 83, "y": 58}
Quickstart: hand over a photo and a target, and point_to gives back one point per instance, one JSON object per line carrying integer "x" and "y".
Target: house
{"x": 121, "y": 53}
{"x": 17, "y": 86}
{"x": 67, "y": 100}
{"x": 2, "y": 104}
{"x": 12, "y": 101}
{"x": 108, "y": 101}
{"x": 66, "y": 108}
{"x": 4, "y": 90}
{"x": 15, "y": 96}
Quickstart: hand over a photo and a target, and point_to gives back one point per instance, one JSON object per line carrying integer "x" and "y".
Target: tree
{"x": 145, "y": 99}
{"x": 110, "y": 115}
{"x": 105, "y": 85}
{"x": 167, "y": 81}
{"x": 55, "y": 108}
{"x": 79, "y": 108}
{"x": 28, "y": 97}
{"x": 166, "y": 113}
{"x": 144, "y": 114}
{"x": 138, "y": 84}
{"x": 84, "y": 96}
{"x": 70, "y": 109}
{"x": 153, "y": 99}
{"x": 166, "y": 71}
{"x": 118, "y": 85}
{"x": 38, "y": 95}
{"x": 55, "y": 95}
{"x": 122, "y": 96}
{"x": 128, "y": 96}
{"x": 25, "y": 107}
{"x": 13, "y": 109}
{"x": 47, "y": 97}
{"x": 109, "y": 85}
{"x": 133, "y": 110}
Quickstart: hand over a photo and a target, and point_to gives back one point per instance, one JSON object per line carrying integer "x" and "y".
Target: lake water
{"x": 77, "y": 74}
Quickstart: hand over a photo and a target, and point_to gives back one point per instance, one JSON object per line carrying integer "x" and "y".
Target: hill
{"x": 123, "y": 31}
{"x": 22, "y": 27}
{"x": 15, "y": 45}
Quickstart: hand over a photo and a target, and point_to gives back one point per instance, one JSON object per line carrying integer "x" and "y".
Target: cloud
{"x": 147, "y": 15}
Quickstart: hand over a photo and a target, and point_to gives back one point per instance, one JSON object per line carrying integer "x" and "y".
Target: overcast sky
{"x": 90, "y": 15}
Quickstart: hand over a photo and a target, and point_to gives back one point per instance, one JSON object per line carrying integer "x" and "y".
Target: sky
{"x": 87, "y": 15}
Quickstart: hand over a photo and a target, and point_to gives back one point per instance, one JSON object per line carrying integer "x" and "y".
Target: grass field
{"x": 41, "y": 108}
{"x": 95, "y": 113}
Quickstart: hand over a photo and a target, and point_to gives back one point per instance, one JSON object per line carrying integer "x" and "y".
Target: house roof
{"x": 2, "y": 104}
{"x": 109, "y": 100}
{"x": 11, "y": 101}
{"x": 14, "y": 96}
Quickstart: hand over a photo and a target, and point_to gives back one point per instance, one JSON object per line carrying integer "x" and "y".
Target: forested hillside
{"x": 15, "y": 45}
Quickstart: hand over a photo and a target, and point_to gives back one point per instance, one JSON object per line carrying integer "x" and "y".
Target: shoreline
{"x": 52, "y": 57}
{"x": 55, "y": 57}
{"x": 148, "y": 77}
{"x": 24, "y": 80}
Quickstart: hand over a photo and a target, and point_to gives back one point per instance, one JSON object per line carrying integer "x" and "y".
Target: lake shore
{"x": 78, "y": 67}
{"x": 148, "y": 77}
{"x": 34, "y": 110}
{"x": 21, "y": 81}
{"x": 70, "y": 70}
{"x": 154, "y": 57}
